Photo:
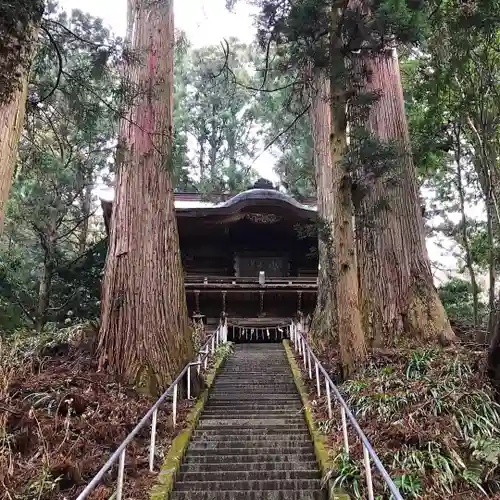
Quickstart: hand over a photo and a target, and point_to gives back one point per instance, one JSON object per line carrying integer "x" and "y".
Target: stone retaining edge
{"x": 320, "y": 449}
{"x": 171, "y": 464}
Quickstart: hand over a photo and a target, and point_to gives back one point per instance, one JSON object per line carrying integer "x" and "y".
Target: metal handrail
{"x": 218, "y": 337}
{"x": 305, "y": 351}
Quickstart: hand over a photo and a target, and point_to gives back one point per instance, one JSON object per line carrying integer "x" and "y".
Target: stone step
{"x": 262, "y": 377}
{"x": 259, "y": 387}
{"x": 238, "y": 453}
{"x": 248, "y": 495}
{"x": 265, "y": 379}
{"x": 247, "y": 475}
{"x": 250, "y": 445}
{"x": 271, "y": 405}
{"x": 248, "y": 434}
{"x": 247, "y": 422}
{"x": 206, "y": 426}
{"x": 285, "y": 484}
{"x": 270, "y": 458}
{"x": 254, "y": 397}
{"x": 257, "y": 393}
{"x": 253, "y": 466}
{"x": 285, "y": 412}
{"x": 265, "y": 388}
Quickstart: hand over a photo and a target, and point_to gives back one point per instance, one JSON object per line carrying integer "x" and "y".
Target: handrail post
{"x": 205, "y": 362}
{"x": 344, "y": 430}
{"x": 318, "y": 384}
{"x": 309, "y": 362}
{"x": 199, "y": 364}
{"x": 174, "y": 406}
{"x": 368, "y": 472}
{"x": 328, "y": 398}
{"x": 121, "y": 474}
{"x": 304, "y": 354}
{"x": 213, "y": 344}
{"x": 189, "y": 382}
{"x": 153, "y": 440}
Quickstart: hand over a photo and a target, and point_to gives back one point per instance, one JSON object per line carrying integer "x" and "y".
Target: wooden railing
{"x": 287, "y": 280}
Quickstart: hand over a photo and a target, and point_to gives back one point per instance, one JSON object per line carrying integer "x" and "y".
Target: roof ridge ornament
{"x": 262, "y": 183}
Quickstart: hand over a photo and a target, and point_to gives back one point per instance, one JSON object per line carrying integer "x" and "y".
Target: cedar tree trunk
{"x": 350, "y": 331}
{"x": 144, "y": 336}
{"x": 397, "y": 293}
{"x": 323, "y": 325}
{"x": 19, "y": 23}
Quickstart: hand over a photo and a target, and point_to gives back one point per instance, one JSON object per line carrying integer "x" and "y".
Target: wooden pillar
{"x": 299, "y": 301}
{"x": 224, "y": 301}
{"x": 197, "y": 301}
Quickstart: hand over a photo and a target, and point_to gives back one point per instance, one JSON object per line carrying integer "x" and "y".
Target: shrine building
{"x": 252, "y": 256}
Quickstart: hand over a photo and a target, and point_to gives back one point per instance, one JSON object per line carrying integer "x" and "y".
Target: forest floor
{"x": 431, "y": 417}
{"x": 60, "y": 420}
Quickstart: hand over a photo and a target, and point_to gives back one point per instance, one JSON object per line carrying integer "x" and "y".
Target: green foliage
{"x": 346, "y": 474}
{"x": 457, "y": 298}
{"x": 451, "y": 444}
{"x": 48, "y": 272}
{"x": 223, "y": 351}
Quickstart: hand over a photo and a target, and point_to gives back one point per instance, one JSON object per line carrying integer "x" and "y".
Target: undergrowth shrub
{"x": 430, "y": 415}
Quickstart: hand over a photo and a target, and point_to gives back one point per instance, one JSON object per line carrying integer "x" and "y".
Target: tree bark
{"x": 398, "y": 296}
{"x": 492, "y": 265}
{"x": 231, "y": 146}
{"x": 214, "y": 146}
{"x": 350, "y": 331}
{"x": 44, "y": 289}
{"x": 323, "y": 326}
{"x": 469, "y": 263}
{"x": 48, "y": 239}
{"x": 145, "y": 336}
{"x": 17, "y": 46}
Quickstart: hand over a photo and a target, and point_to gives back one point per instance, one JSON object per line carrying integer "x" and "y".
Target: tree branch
{"x": 59, "y": 69}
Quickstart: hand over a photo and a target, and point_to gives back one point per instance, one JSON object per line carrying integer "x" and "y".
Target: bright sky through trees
{"x": 206, "y": 22}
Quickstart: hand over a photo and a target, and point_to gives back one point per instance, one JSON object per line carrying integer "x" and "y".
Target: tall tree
{"x": 351, "y": 335}
{"x": 19, "y": 22}
{"x": 144, "y": 334}
{"x": 313, "y": 34}
{"x": 325, "y": 316}
{"x": 398, "y": 296}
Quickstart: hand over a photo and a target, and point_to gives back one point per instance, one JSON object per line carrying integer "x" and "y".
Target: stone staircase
{"x": 252, "y": 442}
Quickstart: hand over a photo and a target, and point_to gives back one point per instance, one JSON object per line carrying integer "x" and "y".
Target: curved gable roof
{"x": 252, "y": 198}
